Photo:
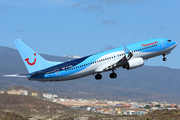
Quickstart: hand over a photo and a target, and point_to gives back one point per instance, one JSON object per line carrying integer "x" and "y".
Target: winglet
{"x": 127, "y": 52}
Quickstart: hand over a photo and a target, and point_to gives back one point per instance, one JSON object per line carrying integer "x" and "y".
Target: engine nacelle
{"x": 134, "y": 63}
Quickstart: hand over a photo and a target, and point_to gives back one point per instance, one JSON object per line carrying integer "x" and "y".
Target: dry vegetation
{"x": 11, "y": 116}
{"x": 26, "y": 105}
{"x": 97, "y": 117}
{"x": 162, "y": 115}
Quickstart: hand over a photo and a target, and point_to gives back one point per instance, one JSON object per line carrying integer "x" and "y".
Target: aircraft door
{"x": 163, "y": 44}
{"x": 57, "y": 72}
{"x": 115, "y": 59}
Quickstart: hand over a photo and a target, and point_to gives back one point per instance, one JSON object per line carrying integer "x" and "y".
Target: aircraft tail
{"x": 32, "y": 60}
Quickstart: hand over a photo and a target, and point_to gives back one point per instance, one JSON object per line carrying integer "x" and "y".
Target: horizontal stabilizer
{"x": 16, "y": 75}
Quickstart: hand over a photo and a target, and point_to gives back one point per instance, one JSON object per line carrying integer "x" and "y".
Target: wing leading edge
{"x": 113, "y": 64}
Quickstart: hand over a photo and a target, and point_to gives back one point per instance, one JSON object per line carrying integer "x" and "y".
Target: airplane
{"x": 127, "y": 57}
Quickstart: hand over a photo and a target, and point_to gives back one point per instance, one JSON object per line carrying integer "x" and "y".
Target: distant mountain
{"x": 142, "y": 84}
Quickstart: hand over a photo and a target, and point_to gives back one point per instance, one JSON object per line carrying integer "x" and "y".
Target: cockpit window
{"x": 169, "y": 40}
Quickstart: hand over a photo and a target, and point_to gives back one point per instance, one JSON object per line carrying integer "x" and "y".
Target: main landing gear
{"x": 164, "y": 58}
{"x": 113, "y": 75}
{"x": 99, "y": 76}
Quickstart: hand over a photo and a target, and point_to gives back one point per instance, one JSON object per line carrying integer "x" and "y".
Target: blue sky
{"x": 83, "y": 27}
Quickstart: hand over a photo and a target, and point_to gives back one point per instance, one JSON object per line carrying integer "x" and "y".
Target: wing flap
{"x": 106, "y": 66}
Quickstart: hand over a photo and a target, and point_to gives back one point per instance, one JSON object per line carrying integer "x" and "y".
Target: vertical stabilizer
{"x": 32, "y": 60}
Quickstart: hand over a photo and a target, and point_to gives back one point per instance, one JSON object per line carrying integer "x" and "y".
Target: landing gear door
{"x": 163, "y": 44}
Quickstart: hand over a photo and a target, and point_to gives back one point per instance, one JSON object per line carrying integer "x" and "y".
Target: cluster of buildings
{"x": 161, "y": 106}
{"x": 114, "y": 107}
{"x": 52, "y": 97}
{"x": 120, "y": 111}
{"x": 105, "y": 106}
{"x": 19, "y": 92}
{"x": 99, "y": 106}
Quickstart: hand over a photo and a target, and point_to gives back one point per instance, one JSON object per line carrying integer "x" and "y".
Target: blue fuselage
{"x": 88, "y": 65}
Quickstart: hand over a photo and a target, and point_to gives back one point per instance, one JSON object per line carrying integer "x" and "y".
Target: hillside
{"x": 162, "y": 115}
{"x": 99, "y": 117}
{"x": 26, "y": 105}
{"x": 11, "y": 116}
{"x": 142, "y": 84}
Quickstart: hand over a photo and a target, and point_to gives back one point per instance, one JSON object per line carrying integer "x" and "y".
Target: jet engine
{"x": 134, "y": 63}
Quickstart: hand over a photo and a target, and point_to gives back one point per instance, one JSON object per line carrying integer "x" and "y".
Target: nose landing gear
{"x": 164, "y": 58}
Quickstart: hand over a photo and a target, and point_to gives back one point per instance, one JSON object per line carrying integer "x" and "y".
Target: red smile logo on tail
{"x": 27, "y": 59}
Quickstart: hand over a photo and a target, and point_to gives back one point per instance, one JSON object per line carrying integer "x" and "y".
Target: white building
{"x": 131, "y": 112}
{"x": 24, "y": 92}
{"x": 47, "y": 95}
{"x": 55, "y": 96}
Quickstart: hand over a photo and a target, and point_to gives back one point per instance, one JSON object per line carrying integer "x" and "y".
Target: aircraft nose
{"x": 175, "y": 43}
